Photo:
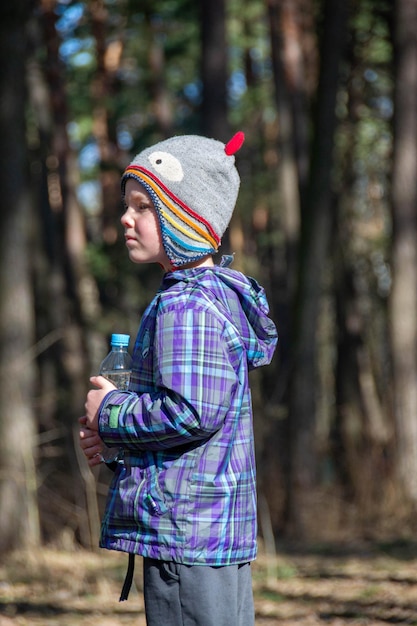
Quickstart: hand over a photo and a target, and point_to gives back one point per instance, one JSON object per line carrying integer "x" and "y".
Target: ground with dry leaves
{"x": 325, "y": 585}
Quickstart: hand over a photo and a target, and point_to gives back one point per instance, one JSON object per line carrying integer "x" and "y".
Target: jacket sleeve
{"x": 196, "y": 356}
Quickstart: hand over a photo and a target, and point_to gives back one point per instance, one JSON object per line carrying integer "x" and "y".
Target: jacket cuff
{"x": 110, "y": 415}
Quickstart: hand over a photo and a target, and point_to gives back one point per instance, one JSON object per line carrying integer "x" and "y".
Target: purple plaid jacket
{"x": 186, "y": 491}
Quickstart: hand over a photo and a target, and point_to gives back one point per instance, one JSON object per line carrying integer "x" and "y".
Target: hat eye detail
{"x": 167, "y": 166}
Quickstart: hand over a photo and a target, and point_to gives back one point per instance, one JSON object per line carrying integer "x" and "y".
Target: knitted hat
{"x": 193, "y": 183}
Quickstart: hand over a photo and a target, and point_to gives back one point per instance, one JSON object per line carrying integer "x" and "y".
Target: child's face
{"x": 141, "y": 225}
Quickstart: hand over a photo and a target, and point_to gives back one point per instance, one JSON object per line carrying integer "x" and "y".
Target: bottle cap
{"x": 120, "y": 340}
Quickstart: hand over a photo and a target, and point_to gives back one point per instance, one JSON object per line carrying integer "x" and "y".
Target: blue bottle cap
{"x": 120, "y": 340}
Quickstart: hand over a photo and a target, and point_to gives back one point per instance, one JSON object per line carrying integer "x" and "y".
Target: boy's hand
{"x": 90, "y": 443}
{"x": 94, "y": 399}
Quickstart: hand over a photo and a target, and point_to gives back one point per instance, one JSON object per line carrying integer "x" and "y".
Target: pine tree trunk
{"x": 214, "y": 69}
{"x": 19, "y": 525}
{"x": 403, "y": 301}
{"x": 314, "y": 248}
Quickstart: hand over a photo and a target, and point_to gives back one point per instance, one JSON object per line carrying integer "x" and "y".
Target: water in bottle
{"x": 116, "y": 367}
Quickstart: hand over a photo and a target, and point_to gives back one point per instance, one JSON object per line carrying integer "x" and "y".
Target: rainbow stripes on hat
{"x": 186, "y": 235}
{"x": 193, "y": 183}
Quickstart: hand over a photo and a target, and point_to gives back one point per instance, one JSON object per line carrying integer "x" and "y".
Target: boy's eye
{"x": 137, "y": 205}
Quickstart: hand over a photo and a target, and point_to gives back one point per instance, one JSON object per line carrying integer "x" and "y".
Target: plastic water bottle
{"x": 116, "y": 367}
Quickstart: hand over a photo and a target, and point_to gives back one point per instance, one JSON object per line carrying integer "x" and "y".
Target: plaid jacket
{"x": 186, "y": 490}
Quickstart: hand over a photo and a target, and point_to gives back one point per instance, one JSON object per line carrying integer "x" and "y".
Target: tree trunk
{"x": 316, "y": 223}
{"x": 19, "y": 525}
{"x": 62, "y": 280}
{"x": 361, "y": 435}
{"x": 403, "y": 300}
{"x": 103, "y": 91}
{"x": 288, "y": 175}
{"x": 161, "y": 102}
{"x": 214, "y": 69}
{"x": 283, "y": 266}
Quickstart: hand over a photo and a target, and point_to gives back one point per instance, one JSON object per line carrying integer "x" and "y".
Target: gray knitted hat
{"x": 193, "y": 183}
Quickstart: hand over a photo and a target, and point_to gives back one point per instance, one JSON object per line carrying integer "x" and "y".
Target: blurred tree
{"x": 64, "y": 291}
{"x": 159, "y": 93}
{"x": 19, "y": 525}
{"x": 286, "y": 34}
{"x": 403, "y": 301}
{"x": 104, "y": 89}
{"x": 214, "y": 69}
{"x": 316, "y": 220}
{"x": 360, "y": 436}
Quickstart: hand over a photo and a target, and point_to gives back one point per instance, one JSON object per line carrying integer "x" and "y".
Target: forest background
{"x": 326, "y": 93}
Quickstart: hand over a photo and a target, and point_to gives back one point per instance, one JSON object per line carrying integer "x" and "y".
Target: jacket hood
{"x": 234, "y": 293}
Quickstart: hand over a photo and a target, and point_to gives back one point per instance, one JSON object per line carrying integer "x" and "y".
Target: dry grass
{"x": 370, "y": 585}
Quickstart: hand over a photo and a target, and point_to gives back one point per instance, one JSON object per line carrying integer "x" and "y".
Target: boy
{"x": 185, "y": 495}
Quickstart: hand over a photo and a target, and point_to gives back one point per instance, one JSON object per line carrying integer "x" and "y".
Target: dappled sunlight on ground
{"x": 326, "y": 585}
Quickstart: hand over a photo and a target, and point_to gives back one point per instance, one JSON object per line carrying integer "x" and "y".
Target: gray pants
{"x": 197, "y": 595}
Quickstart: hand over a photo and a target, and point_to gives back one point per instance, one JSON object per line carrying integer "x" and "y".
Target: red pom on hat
{"x": 235, "y": 143}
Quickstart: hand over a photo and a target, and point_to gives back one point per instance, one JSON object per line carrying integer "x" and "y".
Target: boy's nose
{"x": 126, "y": 218}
